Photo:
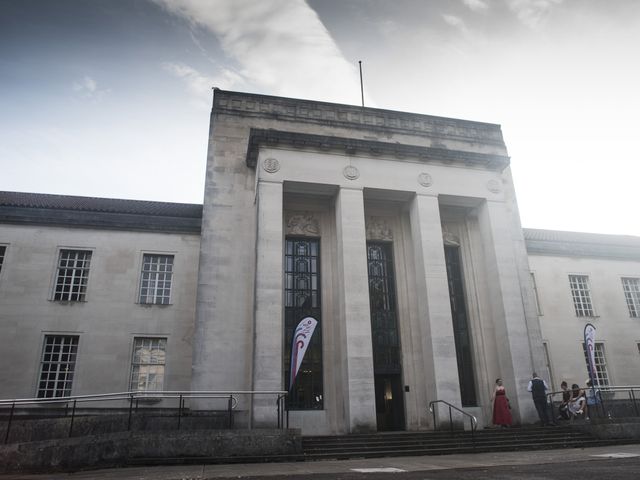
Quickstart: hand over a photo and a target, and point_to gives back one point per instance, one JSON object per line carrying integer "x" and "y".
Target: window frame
{"x": 600, "y": 360}
{"x": 578, "y": 307}
{"x": 42, "y": 359}
{"x": 141, "y": 278}
{"x": 314, "y": 356}
{"x": 536, "y": 294}
{"x": 632, "y": 297}
{"x": 4, "y": 249}
{"x": 57, "y": 271}
{"x": 133, "y": 364}
{"x": 3, "y": 255}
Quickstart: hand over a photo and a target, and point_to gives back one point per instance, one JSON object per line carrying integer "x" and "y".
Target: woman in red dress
{"x": 501, "y": 410}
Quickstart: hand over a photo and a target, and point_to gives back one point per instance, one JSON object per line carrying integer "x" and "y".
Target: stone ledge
{"x": 352, "y": 146}
{"x": 352, "y": 116}
{"x": 119, "y": 449}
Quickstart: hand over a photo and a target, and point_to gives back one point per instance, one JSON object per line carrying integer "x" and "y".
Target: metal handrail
{"x": 473, "y": 420}
{"x": 135, "y": 397}
{"x": 603, "y": 389}
{"x": 141, "y": 394}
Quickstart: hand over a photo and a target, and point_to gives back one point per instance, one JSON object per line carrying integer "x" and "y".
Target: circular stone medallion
{"x": 350, "y": 172}
{"x": 494, "y": 186}
{"x": 271, "y": 165}
{"x": 425, "y": 179}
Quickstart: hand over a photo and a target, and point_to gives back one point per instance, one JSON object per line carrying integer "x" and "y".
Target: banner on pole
{"x": 590, "y": 347}
{"x": 301, "y": 339}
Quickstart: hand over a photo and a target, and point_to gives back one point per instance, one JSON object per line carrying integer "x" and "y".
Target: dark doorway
{"x": 387, "y": 366}
{"x": 389, "y": 402}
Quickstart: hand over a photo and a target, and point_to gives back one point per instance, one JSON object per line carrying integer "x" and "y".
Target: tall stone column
{"x": 268, "y": 326}
{"x": 354, "y": 315}
{"x": 508, "y": 311}
{"x": 434, "y": 307}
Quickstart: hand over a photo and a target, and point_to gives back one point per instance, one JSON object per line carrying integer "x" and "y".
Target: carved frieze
{"x": 449, "y": 239}
{"x": 302, "y": 223}
{"x": 378, "y": 228}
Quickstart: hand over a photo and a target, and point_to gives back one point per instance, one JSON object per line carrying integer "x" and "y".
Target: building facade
{"x": 398, "y": 233}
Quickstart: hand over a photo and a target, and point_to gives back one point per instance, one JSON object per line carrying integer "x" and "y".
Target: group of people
{"x": 575, "y": 402}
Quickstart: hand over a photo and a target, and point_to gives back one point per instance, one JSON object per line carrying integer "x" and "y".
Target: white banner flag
{"x": 301, "y": 340}
{"x": 590, "y": 346}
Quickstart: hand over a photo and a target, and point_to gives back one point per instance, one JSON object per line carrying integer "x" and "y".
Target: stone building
{"x": 399, "y": 233}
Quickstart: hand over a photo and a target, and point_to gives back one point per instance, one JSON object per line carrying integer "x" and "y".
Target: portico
{"x": 398, "y": 232}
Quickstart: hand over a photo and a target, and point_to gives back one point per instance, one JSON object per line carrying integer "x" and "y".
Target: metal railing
{"x": 472, "y": 420}
{"x": 134, "y": 399}
{"x": 611, "y": 401}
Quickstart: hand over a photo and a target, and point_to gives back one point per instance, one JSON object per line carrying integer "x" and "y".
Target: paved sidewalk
{"x": 391, "y": 464}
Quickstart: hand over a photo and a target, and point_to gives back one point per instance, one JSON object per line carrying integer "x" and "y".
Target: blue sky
{"x": 112, "y": 98}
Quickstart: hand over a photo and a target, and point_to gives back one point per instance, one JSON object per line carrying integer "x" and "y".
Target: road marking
{"x": 617, "y": 455}
{"x": 378, "y": 470}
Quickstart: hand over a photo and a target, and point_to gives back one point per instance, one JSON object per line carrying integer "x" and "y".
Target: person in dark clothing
{"x": 563, "y": 408}
{"x": 538, "y": 389}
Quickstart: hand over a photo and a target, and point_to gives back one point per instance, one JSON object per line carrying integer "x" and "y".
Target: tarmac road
{"x": 620, "y": 462}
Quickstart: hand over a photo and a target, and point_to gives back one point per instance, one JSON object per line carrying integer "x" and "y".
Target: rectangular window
{"x": 57, "y": 366}
{"x": 535, "y": 293}
{"x": 302, "y": 299}
{"x": 581, "y": 294}
{"x": 601, "y": 376}
{"x": 155, "y": 281}
{"x": 3, "y": 250}
{"x": 631, "y": 288}
{"x": 73, "y": 275}
{"x": 147, "y": 364}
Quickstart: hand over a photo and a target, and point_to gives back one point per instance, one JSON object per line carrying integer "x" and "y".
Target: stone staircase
{"x": 442, "y": 443}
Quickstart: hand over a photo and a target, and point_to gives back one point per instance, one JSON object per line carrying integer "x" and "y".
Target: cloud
{"x": 281, "y": 46}
{"x": 476, "y": 5}
{"x": 456, "y": 22}
{"x": 87, "y": 87}
{"x": 200, "y": 85}
{"x": 532, "y": 12}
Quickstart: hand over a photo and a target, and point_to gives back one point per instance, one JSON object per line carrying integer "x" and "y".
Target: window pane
{"x": 147, "y": 364}
{"x": 155, "y": 281}
{"x": 57, "y": 366}
{"x": 581, "y": 293}
{"x": 302, "y": 298}
{"x": 72, "y": 276}
{"x": 631, "y": 288}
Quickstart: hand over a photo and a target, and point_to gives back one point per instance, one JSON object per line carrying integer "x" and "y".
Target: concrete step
{"x": 440, "y": 443}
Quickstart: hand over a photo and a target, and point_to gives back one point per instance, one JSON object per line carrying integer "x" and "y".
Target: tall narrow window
{"x": 631, "y": 287}
{"x": 460, "y": 327}
{"x": 3, "y": 250}
{"x": 147, "y": 364}
{"x": 581, "y": 293}
{"x": 601, "y": 375}
{"x": 73, "y": 275}
{"x": 535, "y": 294}
{"x": 155, "y": 281}
{"x": 302, "y": 299}
{"x": 382, "y": 301}
{"x": 547, "y": 357}
{"x": 57, "y": 366}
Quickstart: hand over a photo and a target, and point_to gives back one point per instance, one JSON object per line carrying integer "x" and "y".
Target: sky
{"x": 111, "y": 98}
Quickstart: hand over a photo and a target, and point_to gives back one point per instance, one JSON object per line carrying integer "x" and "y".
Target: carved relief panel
{"x": 302, "y": 223}
{"x": 379, "y": 228}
